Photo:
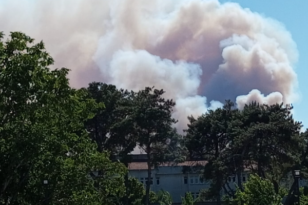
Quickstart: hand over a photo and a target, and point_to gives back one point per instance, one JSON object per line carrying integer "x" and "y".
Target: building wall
{"x": 177, "y": 183}
{"x": 180, "y": 179}
{"x": 173, "y": 180}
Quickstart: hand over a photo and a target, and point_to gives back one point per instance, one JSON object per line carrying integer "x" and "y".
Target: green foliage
{"x": 188, "y": 199}
{"x": 258, "y": 191}
{"x": 263, "y": 138}
{"x": 135, "y": 192}
{"x": 152, "y": 123}
{"x": 208, "y": 138}
{"x": 304, "y": 195}
{"x": 111, "y": 128}
{"x": 43, "y": 136}
{"x": 44, "y": 126}
{"x": 163, "y": 198}
{"x": 270, "y": 138}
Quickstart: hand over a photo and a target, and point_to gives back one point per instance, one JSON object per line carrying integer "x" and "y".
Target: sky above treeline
{"x": 292, "y": 15}
{"x": 201, "y": 52}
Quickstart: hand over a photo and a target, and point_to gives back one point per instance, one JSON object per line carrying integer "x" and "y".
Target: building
{"x": 177, "y": 179}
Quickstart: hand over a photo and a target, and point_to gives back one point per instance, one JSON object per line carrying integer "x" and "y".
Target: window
{"x": 185, "y": 180}
{"x": 244, "y": 178}
{"x": 229, "y": 179}
{"x": 157, "y": 180}
{"x": 233, "y": 179}
{"x": 195, "y": 195}
{"x": 146, "y": 180}
{"x": 195, "y": 180}
{"x": 141, "y": 180}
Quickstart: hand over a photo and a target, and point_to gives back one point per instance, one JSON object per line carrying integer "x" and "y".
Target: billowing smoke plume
{"x": 201, "y": 52}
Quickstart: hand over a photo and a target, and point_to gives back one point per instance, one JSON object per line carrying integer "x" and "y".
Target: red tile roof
{"x": 144, "y": 166}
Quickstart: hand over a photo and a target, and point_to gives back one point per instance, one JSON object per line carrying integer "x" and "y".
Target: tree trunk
{"x": 289, "y": 199}
{"x": 276, "y": 186}
{"x": 219, "y": 175}
{"x": 239, "y": 179}
{"x": 148, "y": 182}
{"x": 97, "y": 136}
{"x": 259, "y": 160}
{"x": 126, "y": 184}
{"x": 218, "y": 196}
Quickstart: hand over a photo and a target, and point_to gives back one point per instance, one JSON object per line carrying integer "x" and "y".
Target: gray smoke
{"x": 201, "y": 52}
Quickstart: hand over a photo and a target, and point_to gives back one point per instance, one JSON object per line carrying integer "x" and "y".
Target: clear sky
{"x": 293, "y": 14}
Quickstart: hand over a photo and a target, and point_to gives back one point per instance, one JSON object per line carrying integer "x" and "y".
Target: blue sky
{"x": 293, "y": 14}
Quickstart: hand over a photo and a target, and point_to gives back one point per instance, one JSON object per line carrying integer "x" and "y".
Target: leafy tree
{"x": 43, "y": 136}
{"x": 134, "y": 194}
{"x": 153, "y": 127}
{"x": 303, "y": 195}
{"x": 111, "y": 127}
{"x": 270, "y": 140}
{"x": 99, "y": 125}
{"x": 303, "y": 167}
{"x": 264, "y": 139}
{"x": 208, "y": 138}
{"x": 188, "y": 199}
{"x": 257, "y": 191}
{"x": 164, "y": 197}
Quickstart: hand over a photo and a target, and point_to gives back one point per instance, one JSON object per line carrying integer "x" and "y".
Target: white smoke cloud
{"x": 257, "y": 96}
{"x": 180, "y": 79}
{"x": 198, "y": 51}
{"x": 192, "y": 106}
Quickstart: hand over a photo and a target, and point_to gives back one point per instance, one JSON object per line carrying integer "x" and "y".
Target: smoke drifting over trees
{"x": 199, "y": 52}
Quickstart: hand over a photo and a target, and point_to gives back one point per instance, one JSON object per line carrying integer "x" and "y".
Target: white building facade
{"x": 186, "y": 177}
{"x": 171, "y": 178}
{"x": 177, "y": 179}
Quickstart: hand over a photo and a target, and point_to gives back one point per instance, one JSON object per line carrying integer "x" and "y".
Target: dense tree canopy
{"x": 261, "y": 138}
{"x": 208, "y": 138}
{"x": 257, "y": 191}
{"x": 59, "y": 145}
{"x": 42, "y": 137}
{"x": 111, "y": 128}
{"x": 153, "y": 127}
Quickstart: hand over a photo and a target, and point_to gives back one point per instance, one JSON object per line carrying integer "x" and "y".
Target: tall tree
{"x": 208, "y": 138}
{"x": 271, "y": 140}
{"x": 112, "y": 126}
{"x": 303, "y": 167}
{"x": 45, "y": 153}
{"x": 153, "y": 127}
{"x": 99, "y": 126}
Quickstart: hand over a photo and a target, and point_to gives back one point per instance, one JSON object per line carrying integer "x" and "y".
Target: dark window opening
{"x": 151, "y": 181}
{"x": 185, "y": 180}
{"x": 157, "y": 180}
